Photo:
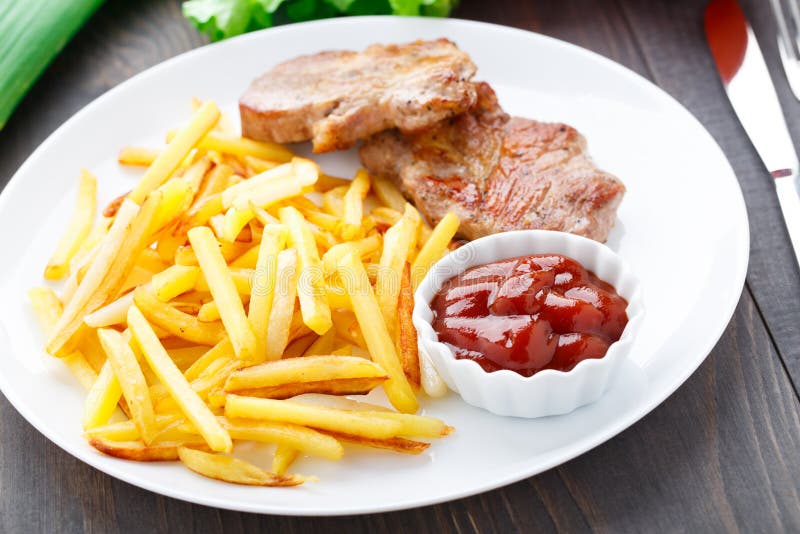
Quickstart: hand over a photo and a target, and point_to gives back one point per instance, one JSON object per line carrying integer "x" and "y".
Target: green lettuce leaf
{"x": 221, "y": 19}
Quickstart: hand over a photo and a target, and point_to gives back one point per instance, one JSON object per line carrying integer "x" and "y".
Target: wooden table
{"x": 722, "y": 453}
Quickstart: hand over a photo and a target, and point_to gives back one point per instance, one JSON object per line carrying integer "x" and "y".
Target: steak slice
{"x": 499, "y": 174}
{"x": 335, "y": 98}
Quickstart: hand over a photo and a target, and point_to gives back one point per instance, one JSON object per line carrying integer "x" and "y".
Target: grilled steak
{"x": 499, "y": 173}
{"x": 337, "y": 97}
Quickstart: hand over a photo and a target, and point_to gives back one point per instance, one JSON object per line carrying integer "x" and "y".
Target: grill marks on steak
{"x": 499, "y": 174}
{"x": 335, "y": 98}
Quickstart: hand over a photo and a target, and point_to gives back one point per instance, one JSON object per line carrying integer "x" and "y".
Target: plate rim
{"x": 566, "y": 453}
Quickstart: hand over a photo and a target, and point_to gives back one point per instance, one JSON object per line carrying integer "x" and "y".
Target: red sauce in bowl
{"x": 529, "y": 313}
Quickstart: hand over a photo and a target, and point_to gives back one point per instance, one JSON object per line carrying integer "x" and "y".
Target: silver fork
{"x": 787, "y": 15}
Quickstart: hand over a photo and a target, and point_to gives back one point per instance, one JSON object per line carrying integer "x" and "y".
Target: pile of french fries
{"x": 231, "y": 279}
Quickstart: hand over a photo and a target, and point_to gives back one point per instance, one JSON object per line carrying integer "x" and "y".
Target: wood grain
{"x": 719, "y": 454}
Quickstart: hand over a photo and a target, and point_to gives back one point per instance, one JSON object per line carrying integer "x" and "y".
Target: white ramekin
{"x": 547, "y": 392}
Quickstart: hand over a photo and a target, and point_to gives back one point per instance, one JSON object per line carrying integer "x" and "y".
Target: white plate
{"x": 682, "y": 227}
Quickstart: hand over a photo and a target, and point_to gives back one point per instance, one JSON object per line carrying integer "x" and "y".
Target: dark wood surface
{"x": 720, "y": 454}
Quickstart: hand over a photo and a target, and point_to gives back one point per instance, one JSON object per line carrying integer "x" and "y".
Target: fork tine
{"x": 786, "y": 43}
{"x": 784, "y": 36}
{"x": 794, "y": 9}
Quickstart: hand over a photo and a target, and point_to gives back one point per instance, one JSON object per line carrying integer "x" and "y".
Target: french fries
{"x": 176, "y": 322}
{"x": 237, "y": 293}
{"x": 131, "y": 381}
{"x": 354, "y": 205}
{"x": 138, "y": 451}
{"x": 335, "y": 375}
{"x": 402, "y": 445}
{"x": 282, "y": 310}
{"x": 102, "y": 398}
{"x": 77, "y": 229}
{"x": 397, "y": 245}
{"x": 379, "y": 342}
{"x": 173, "y": 281}
{"x": 311, "y": 289}
{"x": 406, "y": 333}
{"x": 233, "y": 469}
{"x": 224, "y": 291}
{"x": 300, "y": 438}
{"x": 434, "y": 248}
{"x": 308, "y": 369}
{"x": 284, "y": 456}
{"x": 273, "y": 240}
{"x": 191, "y": 405}
{"x": 314, "y": 416}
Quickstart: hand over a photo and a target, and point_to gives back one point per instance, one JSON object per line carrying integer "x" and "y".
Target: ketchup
{"x": 528, "y": 313}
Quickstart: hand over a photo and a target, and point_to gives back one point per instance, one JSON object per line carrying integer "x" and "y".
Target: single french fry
{"x": 284, "y": 456}
{"x": 195, "y": 174}
{"x": 257, "y": 165}
{"x": 208, "y": 312}
{"x": 102, "y": 399}
{"x": 224, "y": 292}
{"x": 176, "y": 196}
{"x": 128, "y": 431}
{"x": 388, "y": 194}
{"x": 273, "y": 241}
{"x": 134, "y": 155}
{"x": 337, "y": 298}
{"x": 266, "y": 190}
{"x": 333, "y": 200}
{"x": 174, "y": 281}
{"x": 77, "y": 228}
{"x": 199, "y": 214}
{"x": 282, "y": 310}
{"x": 398, "y": 242}
{"x": 172, "y": 156}
{"x": 222, "y": 349}
{"x": 415, "y": 425}
{"x": 354, "y": 205}
{"x": 298, "y": 345}
{"x": 185, "y": 357}
{"x": 234, "y": 221}
{"x": 176, "y": 322}
{"x": 434, "y": 248}
{"x": 334, "y": 386}
{"x": 322, "y": 345}
{"x": 430, "y": 379}
{"x": 188, "y": 401}
{"x": 247, "y": 260}
{"x": 297, "y": 437}
{"x": 363, "y": 247}
{"x": 347, "y": 327}
{"x": 138, "y": 451}
{"x": 313, "y": 416}
{"x": 306, "y": 369}
{"x": 47, "y": 308}
{"x": 311, "y": 287}
{"x": 242, "y": 146}
{"x": 379, "y": 342}
{"x": 230, "y": 251}
{"x": 397, "y": 444}
{"x": 327, "y": 182}
{"x": 131, "y": 381}
{"x": 279, "y": 177}
{"x": 229, "y": 469}
{"x": 406, "y": 333}
{"x": 113, "y": 313}
{"x": 80, "y": 368}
